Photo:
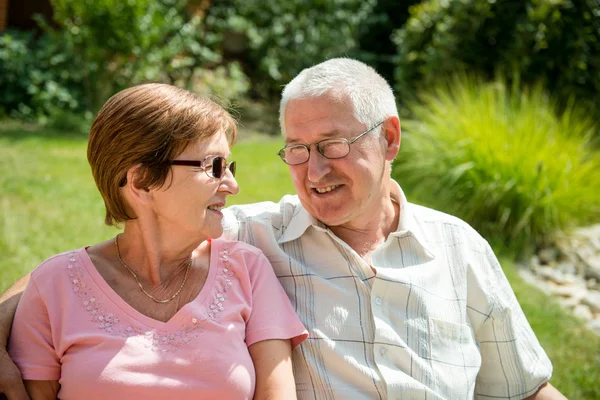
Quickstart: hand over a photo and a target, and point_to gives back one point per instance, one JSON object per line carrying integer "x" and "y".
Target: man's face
{"x": 336, "y": 191}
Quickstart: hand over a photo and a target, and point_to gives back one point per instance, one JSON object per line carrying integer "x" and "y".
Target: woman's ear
{"x": 135, "y": 175}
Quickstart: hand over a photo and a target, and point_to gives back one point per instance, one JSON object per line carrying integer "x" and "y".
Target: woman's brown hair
{"x": 148, "y": 125}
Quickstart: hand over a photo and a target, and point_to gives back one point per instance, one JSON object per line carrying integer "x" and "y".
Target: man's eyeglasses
{"x": 295, "y": 154}
{"x": 214, "y": 166}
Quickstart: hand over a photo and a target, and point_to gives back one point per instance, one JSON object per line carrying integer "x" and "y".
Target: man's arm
{"x": 8, "y": 306}
{"x": 10, "y": 377}
{"x": 547, "y": 392}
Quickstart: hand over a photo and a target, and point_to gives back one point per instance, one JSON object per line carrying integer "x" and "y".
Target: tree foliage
{"x": 375, "y": 44}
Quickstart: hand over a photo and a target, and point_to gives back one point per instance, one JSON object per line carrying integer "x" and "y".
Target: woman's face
{"x": 190, "y": 201}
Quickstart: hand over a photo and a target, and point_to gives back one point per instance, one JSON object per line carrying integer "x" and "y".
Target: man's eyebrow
{"x": 327, "y": 135}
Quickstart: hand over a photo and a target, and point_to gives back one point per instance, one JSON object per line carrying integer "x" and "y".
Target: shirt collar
{"x": 298, "y": 224}
{"x": 302, "y": 220}
{"x": 407, "y": 223}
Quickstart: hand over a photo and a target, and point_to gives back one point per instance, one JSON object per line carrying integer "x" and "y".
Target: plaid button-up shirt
{"x": 438, "y": 320}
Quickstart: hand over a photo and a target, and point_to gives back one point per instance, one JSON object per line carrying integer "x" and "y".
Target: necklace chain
{"x": 187, "y": 272}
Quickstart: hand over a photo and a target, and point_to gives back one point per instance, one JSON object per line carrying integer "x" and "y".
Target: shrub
{"x": 68, "y": 122}
{"x": 116, "y": 44}
{"x": 284, "y": 37}
{"x": 36, "y": 77}
{"x": 95, "y": 48}
{"x": 502, "y": 160}
{"x": 227, "y": 82}
{"x": 554, "y": 40}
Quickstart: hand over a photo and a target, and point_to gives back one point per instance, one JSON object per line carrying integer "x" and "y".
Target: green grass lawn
{"x": 50, "y": 204}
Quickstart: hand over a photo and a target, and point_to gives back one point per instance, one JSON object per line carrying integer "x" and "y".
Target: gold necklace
{"x": 187, "y": 272}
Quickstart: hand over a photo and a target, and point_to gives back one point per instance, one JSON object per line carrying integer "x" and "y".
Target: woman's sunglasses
{"x": 214, "y": 166}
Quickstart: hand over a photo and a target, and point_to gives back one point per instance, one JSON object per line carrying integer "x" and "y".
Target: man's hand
{"x": 11, "y": 383}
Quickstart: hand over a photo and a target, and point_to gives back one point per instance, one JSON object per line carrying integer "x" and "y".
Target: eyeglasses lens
{"x": 334, "y": 148}
{"x": 219, "y": 165}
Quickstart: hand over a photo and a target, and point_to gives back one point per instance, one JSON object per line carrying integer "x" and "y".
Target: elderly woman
{"x": 164, "y": 309}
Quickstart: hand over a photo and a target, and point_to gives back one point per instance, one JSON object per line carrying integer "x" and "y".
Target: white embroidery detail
{"x": 224, "y": 282}
{"x": 158, "y": 341}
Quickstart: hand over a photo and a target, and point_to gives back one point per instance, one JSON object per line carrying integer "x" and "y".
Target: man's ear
{"x": 392, "y": 134}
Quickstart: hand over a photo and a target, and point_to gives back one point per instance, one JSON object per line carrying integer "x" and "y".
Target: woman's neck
{"x": 155, "y": 255}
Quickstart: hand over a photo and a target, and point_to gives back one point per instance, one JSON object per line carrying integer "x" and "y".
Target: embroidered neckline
{"x": 106, "y": 317}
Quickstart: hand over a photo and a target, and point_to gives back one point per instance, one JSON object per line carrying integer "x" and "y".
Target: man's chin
{"x": 331, "y": 213}
{"x": 330, "y": 218}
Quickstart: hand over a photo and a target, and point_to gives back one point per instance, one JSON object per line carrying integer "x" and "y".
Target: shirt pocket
{"x": 449, "y": 342}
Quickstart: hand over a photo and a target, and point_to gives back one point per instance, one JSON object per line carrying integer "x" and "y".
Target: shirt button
{"x": 382, "y": 351}
{"x": 378, "y": 301}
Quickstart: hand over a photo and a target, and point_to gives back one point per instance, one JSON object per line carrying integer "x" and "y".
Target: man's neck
{"x": 364, "y": 240}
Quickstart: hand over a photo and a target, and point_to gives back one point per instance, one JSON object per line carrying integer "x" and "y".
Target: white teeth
{"x": 216, "y": 208}
{"x": 326, "y": 189}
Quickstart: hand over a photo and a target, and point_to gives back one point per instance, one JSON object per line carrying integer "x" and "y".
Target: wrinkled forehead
{"x": 319, "y": 117}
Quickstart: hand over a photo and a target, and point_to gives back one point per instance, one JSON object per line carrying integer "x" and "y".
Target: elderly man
{"x": 401, "y": 301}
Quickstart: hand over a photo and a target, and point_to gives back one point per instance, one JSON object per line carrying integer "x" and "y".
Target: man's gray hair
{"x": 369, "y": 93}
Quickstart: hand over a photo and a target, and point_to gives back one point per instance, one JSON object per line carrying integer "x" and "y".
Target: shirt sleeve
{"x": 513, "y": 363}
{"x": 272, "y": 315}
{"x": 30, "y": 344}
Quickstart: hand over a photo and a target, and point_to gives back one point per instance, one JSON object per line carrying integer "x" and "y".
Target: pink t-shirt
{"x": 72, "y": 327}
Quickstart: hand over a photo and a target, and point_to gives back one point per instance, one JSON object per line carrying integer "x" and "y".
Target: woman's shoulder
{"x": 56, "y": 264}
{"x": 244, "y": 258}
{"x": 234, "y": 247}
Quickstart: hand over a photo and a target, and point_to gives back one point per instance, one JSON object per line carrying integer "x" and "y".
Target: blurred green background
{"x": 499, "y": 101}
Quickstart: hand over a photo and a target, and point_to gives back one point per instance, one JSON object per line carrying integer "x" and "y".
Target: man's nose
{"x": 318, "y": 165}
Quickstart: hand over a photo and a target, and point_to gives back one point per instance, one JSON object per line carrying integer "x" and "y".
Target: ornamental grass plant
{"x": 503, "y": 159}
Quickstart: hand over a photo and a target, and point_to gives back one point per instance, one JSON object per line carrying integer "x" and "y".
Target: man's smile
{"x": 326, "y": 189}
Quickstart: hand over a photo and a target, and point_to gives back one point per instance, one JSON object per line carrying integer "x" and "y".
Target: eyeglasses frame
{"x": 281, "y": 152}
